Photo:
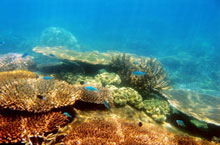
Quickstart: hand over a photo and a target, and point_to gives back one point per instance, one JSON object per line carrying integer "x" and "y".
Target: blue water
{"x": 185, "y": 29}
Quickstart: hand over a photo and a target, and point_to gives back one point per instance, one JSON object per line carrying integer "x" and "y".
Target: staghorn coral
{"x": 154, "y": 79}
{"x": 120, "y": 132}
{"x": 157, "y": 109}
{"x": 24, "y": 127}
{"x": 35, "y": 94}
{"x": 14, "y": 61}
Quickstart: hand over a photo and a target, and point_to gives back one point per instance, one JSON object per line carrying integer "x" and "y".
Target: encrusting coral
{"x": 121, "y": 132}
{"x": 35, "y": 94}
{"x": 153, "y": 77}
{"x": 157, "y": 109}
{"x": 14, "y": 61}
{"x": 126, "y": 95}
{"x": 22, "y": 127}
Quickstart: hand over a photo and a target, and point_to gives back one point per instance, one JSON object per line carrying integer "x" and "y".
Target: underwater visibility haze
{"x": 110, "y": 72}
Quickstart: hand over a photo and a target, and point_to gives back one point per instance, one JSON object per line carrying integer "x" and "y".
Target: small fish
{"x": 106, "y": 104}
{"x": 67, "y": 114}
{"x": 90, "y": 88}
{"x": 41, "y": 97}
{"x": 140, "y": 124}
{"x": 82, "y": 82}
{"x": 180, "y": 123}
{"x": 52, "y": 55}
{"x": 24, "y": 55}
{"x": 47, "y": 78}
{"x": 139, "y": 73}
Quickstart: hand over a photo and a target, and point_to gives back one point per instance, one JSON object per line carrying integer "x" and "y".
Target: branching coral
{"x": 120, "y": 132}
{"x": 14, "y": 61}
{"x": 19, "y": 127}
{"x": 154, "y": 77}
{"x": 35, "y": 94}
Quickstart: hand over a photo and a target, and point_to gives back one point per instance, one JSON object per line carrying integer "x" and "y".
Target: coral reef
{"x": 153, "y": 79}
{"x": 35, "y": 94}
{"x": 202, "y": 107}
{"x": 107, "y": 78}
{"x": 126, "y": 95}
{"x": 54, "y": 36}
{"x": 14, "y": 61}
{"x": 120, "y": 132}
{"x": 23, "y": 127}
{"x": 157, "y": 109}
{"x": 97, "y": 97}
{"x": 66, "y": 55}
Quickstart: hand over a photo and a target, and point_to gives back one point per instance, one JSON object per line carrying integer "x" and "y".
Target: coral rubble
{"x": 14, "y": 61}
{"x": 154, "y": 78}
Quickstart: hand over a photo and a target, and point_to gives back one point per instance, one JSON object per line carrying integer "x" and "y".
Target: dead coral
{"x": 35, "y": 94}
{"x": 120, "y": 132}
{"x": 153, "y": 79}
{"x": 14, "y": 61}
{"x": 25, "y": 127}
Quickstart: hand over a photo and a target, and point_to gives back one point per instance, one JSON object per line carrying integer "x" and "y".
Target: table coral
{"x": 14, "y": 61}
{"x": 21, "y": 127}
{"x": 121, "y": 132}
{"x": 35, "y": 94}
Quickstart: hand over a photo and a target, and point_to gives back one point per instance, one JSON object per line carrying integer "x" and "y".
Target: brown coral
{"x": 97, "y": 97}
{"x": 35, "y": 94}
{"x": 24, "y": 126}
{"x": 154, "y": 78}
{"x": 121, "y": 132}
{"x": 14, "y": 61}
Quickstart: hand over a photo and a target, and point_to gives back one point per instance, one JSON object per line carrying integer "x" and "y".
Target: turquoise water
{"x": 183, "y": 34}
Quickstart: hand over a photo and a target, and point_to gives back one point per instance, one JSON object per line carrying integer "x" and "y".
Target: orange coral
{"x": 123, "y": 132}
{"x": 97, "y": 97}
{"x": 20, "y": 91}
{"x": 20, "y": 127}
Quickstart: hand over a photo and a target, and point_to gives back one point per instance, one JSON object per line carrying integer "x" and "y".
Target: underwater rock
{"x": 108, "y": 78}
{"x": 153, "y": 78}
{"x": 54, "y": 36}
{"x": 157, "y": 109}
{"x": 14, "y": 61}
{"x": 200, "y": 106}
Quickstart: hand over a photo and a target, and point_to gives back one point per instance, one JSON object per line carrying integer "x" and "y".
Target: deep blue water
{"x": 157, "y": 28}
